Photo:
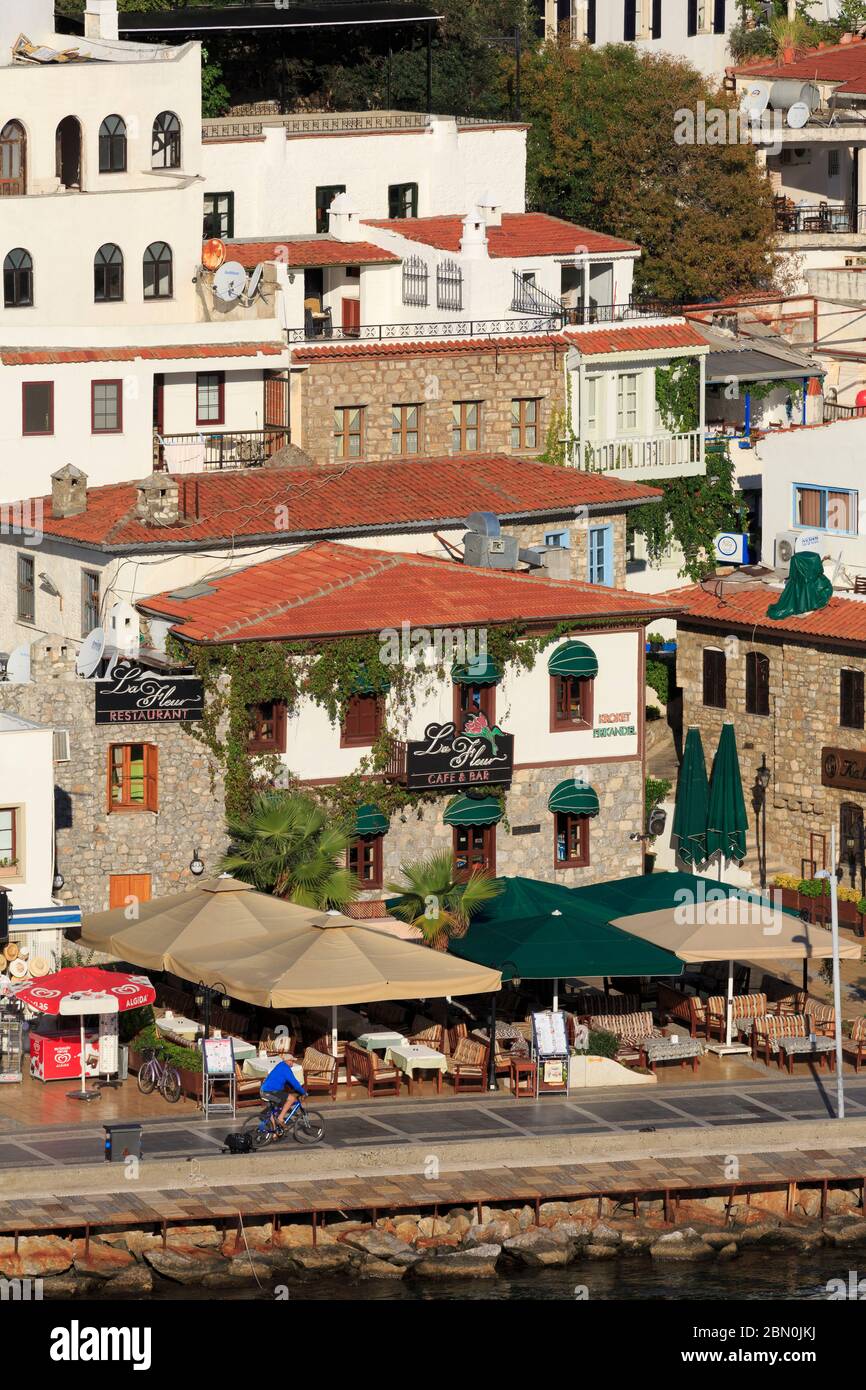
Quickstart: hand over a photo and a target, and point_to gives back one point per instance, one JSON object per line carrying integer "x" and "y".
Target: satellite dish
{"x": 255, "y": 280}
{"x": 230, "y": 281}
{"x": 18, "y": 666}
{"x": 91, "y": 651}
{"x": 755, "y": 100}
{"x": 798, "y": 115}
{"x": 213, "y": 253}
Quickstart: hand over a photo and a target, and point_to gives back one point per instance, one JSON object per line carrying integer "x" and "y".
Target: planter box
{"x": 819, "y": 909}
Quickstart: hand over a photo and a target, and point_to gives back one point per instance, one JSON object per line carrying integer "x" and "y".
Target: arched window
{"x": 67, "y": 144}
{"x": 18, "y": 279}
{"x": 13, "y": 159}
{"x": 112, "y": 145}
{"x": 158, "y": 276}
{"x": 108, "y": 274}
{"x": 165, "y": 149}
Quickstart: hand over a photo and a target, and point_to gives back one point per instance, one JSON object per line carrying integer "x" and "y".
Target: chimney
{"x": 473, "y": 242}
{"x": 100, "y": 19}
{"x": 158, "y": 501}
{"x": 52, "y": 658}
{"x": 490, "y": 209}
{"x": 68, "y": 492}
{"x": 343, "y": 218}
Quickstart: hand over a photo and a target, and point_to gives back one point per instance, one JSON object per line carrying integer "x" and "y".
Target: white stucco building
{"x": 26, "y": 811}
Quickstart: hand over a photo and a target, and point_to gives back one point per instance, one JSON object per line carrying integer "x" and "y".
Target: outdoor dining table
{"x": 242, "y": 1049}
{"x": 380, "y": 1042}
{"x": 818, "y": 1046}
{"x": 176, "y": 1023}
{"x": 412, "y": 1057}
{"x": 682, "y": 1050}
{"x": 261, "y": 1066}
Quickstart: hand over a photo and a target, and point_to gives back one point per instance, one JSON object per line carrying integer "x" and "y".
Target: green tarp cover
{"x": 578, "y": 798}
{"x": 480, "y": 672}
{"x": 573, "y": 659}
{"x": 806, "y": 588}
{"x": 544, "y": 931}
{"x": 726, "y": 810}
{"x": 370, "y": 821}
{"x": 473, "y": 810}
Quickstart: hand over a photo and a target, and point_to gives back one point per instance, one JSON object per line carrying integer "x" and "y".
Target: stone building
{"x": 794, "y": 691}
{"x": 132, "y": 801}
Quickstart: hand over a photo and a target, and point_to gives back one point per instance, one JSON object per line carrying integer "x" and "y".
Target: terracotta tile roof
{"x": 521, "y": 234}
{"x": 639, "y": 337}
{"x": 319, "y": 250}
{"x": 338, "y": 498}
{"x": 842, "y": 620}
{"x": 32, "y": 357}
{"x": 327, "y": 589}
{"x": 841, "y": 63}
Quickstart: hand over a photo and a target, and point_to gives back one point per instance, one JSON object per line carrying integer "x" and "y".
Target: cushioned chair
{"x": 431, "y": 1036}
{"x": 320, "y": 1073}
{"x": 677, "y": 1007}
{"x": 467, "y": 1066}
{"x": 630, "y": 1029}
{"x": 459, "y": 1031}
{"x": 742, "y": 1006}
{"x": 380, "y": 1078}
{"x": 248, "y": 1089}
{"x": 771, "y": 1027}
{"x": 275, "y": 1043}
{"x": 854, "y": 1047}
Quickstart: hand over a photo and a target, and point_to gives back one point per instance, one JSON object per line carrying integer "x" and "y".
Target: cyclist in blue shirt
{"x": 281, "y": 1084}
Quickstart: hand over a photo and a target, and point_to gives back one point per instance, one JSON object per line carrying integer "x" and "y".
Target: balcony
{"x": 395, "y": 769}
{"x": 644, "y": 457}
{"x": 818, "y": 219}
{"x": 834, "y": 412}
{"x": 218, "y": 449}
{"x": 581, "y": 316}
{"x": 438, "y": 328}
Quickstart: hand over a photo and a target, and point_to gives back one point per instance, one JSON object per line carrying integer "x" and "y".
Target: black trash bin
{"x": 122, "y": 1141}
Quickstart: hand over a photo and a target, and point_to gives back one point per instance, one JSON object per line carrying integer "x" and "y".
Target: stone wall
{"x": 532, "y": 533}
{"x": 434, "y": 378}
{"x": 803, "y": 718}
{"x": 93, "y": 843}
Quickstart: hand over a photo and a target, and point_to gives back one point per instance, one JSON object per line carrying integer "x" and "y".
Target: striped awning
{"x": 481, "y": 672}
{"x": 473, "y": 810}
{"x": 577, "y": 798}
{"x": 573, "y": 659}
{"x": 25, "y": 918}
{"x": 369, "y": 820}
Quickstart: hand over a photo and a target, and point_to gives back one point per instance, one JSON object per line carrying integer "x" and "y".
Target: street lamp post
{"x": 204, "y": 997}
{"x": 830, "y": 875}
{"x": 762, "y": 783}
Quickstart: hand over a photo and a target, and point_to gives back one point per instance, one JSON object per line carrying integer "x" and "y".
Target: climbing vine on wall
{"x": 692, "y": 512}
{"x": 677, "y": 389}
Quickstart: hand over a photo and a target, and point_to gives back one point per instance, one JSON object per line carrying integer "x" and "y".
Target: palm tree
{"x": 435, "y": 903}
{"x": 287, "y": 846}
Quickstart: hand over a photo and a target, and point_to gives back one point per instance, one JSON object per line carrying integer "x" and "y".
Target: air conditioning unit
{"x": 790, "y": 543}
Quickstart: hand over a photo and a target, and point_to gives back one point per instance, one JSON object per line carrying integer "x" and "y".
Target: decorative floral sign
{"x": 480, "y": 756}
{"x": 133, "y": 694}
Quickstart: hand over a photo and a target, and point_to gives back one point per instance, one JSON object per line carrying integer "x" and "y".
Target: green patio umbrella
{"x": 690, "y": 811}
{"x": 727, "y": 823}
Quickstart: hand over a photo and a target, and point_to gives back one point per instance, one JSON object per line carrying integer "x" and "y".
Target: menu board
{"x": 218, "y": 1056}
{"x": 549, "y": 1031}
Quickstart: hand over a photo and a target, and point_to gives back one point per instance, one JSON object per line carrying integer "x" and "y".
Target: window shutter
{"x": 61, "y": 745}
{"x": 607, "y": 577}
{"x": 692, "y": 18}
{"x": 715, "y": 678}
{"x": 590, "y": 22}
{"x": 851, "y": 704}
{"x": 629, "y": 25}
{"x": 657, "y": 19}
{"x": 151, "y": 777}
{"x": 719, "y": 17}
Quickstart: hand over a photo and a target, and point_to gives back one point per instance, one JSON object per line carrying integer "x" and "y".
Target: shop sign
{"x": 480, "y": 756}
{"x": 842, "y": 768}
{"x": 134, "y": 695}
{"x": 616, "y": 725}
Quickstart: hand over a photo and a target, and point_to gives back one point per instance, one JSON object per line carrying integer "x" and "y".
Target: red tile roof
{"x": 521, "y": 234}
{"x": 328, "y": 589}
{"x": 33, "y": 357}
{"x": 841, "y": 63}
{"x": 320, "y": 250}
{"x": 638, "y": 337}
{"x": 337, "y": 499}
{"x": 842, "y": 620}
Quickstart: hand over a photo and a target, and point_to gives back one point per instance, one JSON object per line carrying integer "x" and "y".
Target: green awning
{"x": 480, "y": 672}
{"x": 370, "y": 821}
{"x": 578, "y": 798}
{"x": 543, "y": 931}
{"x": 473, "y": 810}
{"x": 573, "y": 659}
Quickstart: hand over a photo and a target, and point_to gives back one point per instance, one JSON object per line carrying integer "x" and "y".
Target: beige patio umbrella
{"x": 738, "y": 930}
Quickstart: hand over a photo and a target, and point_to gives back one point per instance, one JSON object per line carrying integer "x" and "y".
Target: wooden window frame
{"x": 587, "y": 705}
{"x": 359, "y": 740}
{"x": 524, "y": 426}
{"x": 374, "y": 844}
{"x": 323, "y": 209}
{"x": 107, "y": 381}
{"x": 401, "y": 432}
{"x": 89, "y": 622}
{"x": 36, "y": 434}
{"x": 395, "y": 190}
{"x": 110, "y": 141}
{"x": 220, "y": 417}
{"x": 157, "y": 262}
{"x": 106, "y": 269}
{"x": 755, "y": 686}
{"x": 487, "y": 704}
{"x": 150, "y": 760}
{"x": 21, "y": 615}
{"x": 583, "y": 859}
{"x": 342, "y": 433}
{"x": 166, "y": 142}
{"x": 489, "y": 850}
{"x": 14, "y": 868}
{"x": 712, "y": 704}
{"x": 460, "y": 427}
{"x": 855, "y": 699}
{"x": 228, "y": 232}
{"x": 18, "y": 274}
{"x": 261, "y": 743}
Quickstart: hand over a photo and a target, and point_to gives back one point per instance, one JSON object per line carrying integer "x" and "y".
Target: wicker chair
{"x": 380, "y": 1078}
{"x": 320, "y": 1073}
{"x": 467, "y": 1066}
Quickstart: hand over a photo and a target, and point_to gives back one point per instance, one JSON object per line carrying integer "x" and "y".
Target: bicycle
{"x": 154, "y": 1075}
{"x": 306, "y": 1126}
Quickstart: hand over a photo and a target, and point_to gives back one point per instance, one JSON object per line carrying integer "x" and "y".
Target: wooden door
{"x": 351, "y": 318}
{"x": 123, "y": 887}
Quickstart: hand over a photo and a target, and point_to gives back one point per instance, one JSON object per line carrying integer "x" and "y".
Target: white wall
{"x": 706, "y": 51}
{"x": 27, "y": 783}
{"x": 35, "y": 18}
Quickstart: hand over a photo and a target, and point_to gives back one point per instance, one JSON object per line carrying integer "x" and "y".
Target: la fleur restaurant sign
{"x": 134, "y": 695}
{"x": 480, "y": 756}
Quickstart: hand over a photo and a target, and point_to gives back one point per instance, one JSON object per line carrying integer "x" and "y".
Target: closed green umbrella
{"x": 690, "y": 811}
{"x": 726, "y": 822}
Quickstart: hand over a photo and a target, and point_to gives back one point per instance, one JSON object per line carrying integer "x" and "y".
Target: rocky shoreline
{"x": 462, "y": 1243}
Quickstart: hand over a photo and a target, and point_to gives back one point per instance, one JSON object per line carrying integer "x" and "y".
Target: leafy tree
{"x": 602, "y": 153}
{"x": 431, "y": 899}
{"x": 214, "y": 92}
{"x": 286, "y": 846}
{"x": 692, "y": 511}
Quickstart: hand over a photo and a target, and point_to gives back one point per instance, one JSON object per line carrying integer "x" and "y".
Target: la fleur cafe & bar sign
{"x": 133, "y": 695}
{"x": 479, "y": 757}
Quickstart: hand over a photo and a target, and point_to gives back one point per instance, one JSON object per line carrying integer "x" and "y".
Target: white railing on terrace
{"x": 328, "y": 122}
{"x": 645, "y": 456}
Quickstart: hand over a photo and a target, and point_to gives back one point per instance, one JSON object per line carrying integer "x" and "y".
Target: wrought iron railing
{"x": 529, "y": 298}
{"x": 442, "y": 328}
{"x": 819, "y": 218}
{"x": 218, "y": 449}
{"x": 834, "y": 411}
{"x": 582, "y": 315}
{"x": 449, "y": 286}
{"x": 415, "y": 275}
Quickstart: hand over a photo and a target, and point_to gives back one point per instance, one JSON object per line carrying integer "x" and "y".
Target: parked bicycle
{"x": 307, "y": 1126}
{"x": 154, "y": 1075}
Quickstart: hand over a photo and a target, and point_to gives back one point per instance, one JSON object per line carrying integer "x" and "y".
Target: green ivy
{"x": 677, "y": 395}
{"x": 692, "y": 511}
{"x": 658, "y": 679}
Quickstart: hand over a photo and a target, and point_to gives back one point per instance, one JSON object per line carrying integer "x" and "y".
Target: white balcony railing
{"x": 651, "y": 456}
